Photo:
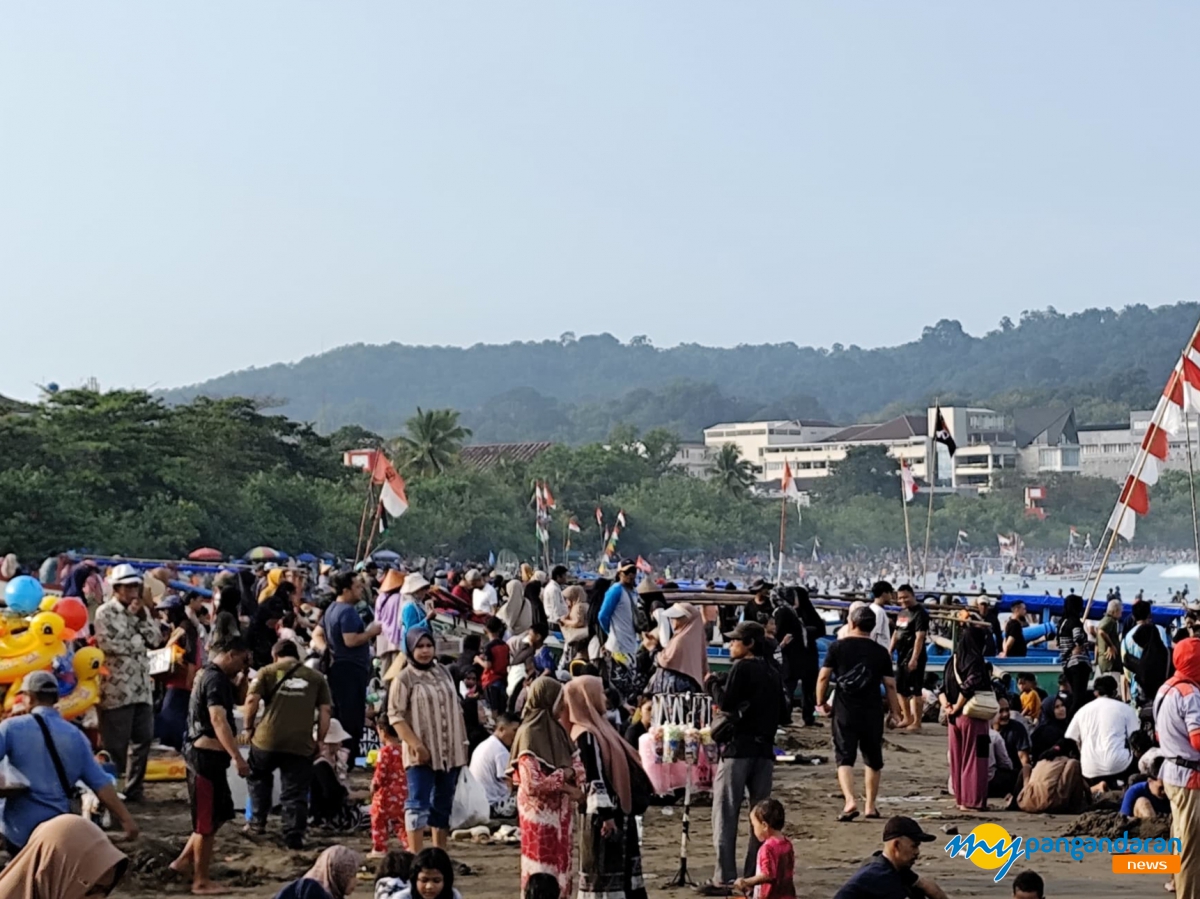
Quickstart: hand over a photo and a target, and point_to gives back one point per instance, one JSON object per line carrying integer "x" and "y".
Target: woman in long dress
{"x": 683, "y": 666}
{"x": 967, "y": 673}
{"x": 610, "y": 850}
{"x": 547, "y": 771}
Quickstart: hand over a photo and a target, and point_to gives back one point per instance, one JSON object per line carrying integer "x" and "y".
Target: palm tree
{"x": 433, "y": 441}
{"x": 733, "y": 474}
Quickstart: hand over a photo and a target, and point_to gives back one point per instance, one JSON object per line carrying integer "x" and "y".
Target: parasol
{"x": 385, "y": 555}
{"x": 265, "y": 554}
{"x": 206, "y": 554}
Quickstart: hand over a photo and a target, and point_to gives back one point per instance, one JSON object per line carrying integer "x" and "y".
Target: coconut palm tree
{"x": 433, "y": 441}
{"x": 733, "y": 474}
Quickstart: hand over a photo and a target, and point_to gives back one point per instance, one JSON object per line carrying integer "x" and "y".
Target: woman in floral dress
{"x": 547, "y": 773}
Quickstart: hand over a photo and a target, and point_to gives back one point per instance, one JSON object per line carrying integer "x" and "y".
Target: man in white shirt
{"x": 489, "y": 766}
{"x": 883, "y": 594}
{"x": 1102, "y": 729}
{"x": 484, "y": 599}
{"x": 552, "y": 595}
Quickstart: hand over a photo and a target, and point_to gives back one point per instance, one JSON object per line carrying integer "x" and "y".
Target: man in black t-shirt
{"x": 908, "y": 641}
{"x": 861, "y": 667}
{"x": 1015, "y": 646}
{"x": 209, "y": 745}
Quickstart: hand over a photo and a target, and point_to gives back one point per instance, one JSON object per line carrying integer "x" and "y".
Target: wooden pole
{"x": 1187, "y": 428}
{"x": 907, "y": 532}
{"x": 362, "y": 523}
{"x": 782, "y": 535}
{"x": 931, "y": 477}
{"x": 374, "y": 529}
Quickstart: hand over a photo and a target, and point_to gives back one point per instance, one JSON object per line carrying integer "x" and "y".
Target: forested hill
{"x": 574, "y": 389}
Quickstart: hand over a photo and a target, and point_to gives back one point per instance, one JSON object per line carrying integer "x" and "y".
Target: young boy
{"x": 775, "y": 877}
{"x": 494, "y": 660}
{"x": 1031, "y": 700}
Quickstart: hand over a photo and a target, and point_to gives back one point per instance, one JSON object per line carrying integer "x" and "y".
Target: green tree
{"x": 866, "y": 471}
{"x": 731, "y": 473}
{"x": 433, "y": 441}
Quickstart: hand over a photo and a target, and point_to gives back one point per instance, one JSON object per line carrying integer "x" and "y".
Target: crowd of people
{"x": 302, "y": 676}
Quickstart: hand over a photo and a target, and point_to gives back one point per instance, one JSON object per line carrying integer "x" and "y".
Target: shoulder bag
{"x": 983, "y": 705}
{"x": 68, "y": 788}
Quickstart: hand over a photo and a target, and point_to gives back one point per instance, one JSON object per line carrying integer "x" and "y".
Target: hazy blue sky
{"x": 191, "y": 188}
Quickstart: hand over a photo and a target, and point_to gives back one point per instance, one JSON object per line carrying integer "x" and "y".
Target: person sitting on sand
{"x": 1147, "y": 798}
{"x": 1102, "y": 729}
{"x": 889, "y": 874}
{"x": 333, "y": 876}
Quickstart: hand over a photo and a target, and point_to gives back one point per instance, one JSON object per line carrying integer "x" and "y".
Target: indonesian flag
{"x": 908, "y": 484}
{"x": 573, "y": 526}
{"x": 790, "y": 490}
{"x": 621, "y": 518}
{"x": 1072, "y": 536}
{"x": 392, "y": 495}
{"x": 644, "y": 566}
{"x": 963, "y": 535}
{"x": 599, "y": 517}
{"x": 548, "y": 497}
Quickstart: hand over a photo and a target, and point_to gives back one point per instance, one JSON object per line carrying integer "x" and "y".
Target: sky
{"x": 188, "y": 189}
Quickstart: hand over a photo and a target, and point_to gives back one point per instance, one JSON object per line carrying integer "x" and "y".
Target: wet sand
{"x": 914, "y": 783}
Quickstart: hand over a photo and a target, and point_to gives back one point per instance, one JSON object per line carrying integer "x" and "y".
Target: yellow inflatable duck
{"x": 33, "y": 650}
{"x": 89, "y": 666}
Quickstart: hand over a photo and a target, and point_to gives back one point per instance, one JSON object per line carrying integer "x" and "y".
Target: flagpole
{"x": 782, "y": 535}
{"x": 931, "y": 476}
{"x": 1187, "y": 428}
{"x": 374, "y": 528}
{"x": 362, "y": 523}
{"x": 907, "y": 533}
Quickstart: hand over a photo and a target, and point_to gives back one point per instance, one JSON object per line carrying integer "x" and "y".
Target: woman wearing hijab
{"x": 683, "y": 666}
{"x": 610, "y": 853}
{"x": 547, "y": 772}
{"x": 334, "y": 875}
{"x": 263, "y": 632}
{"x": 274, "y": 579}
{"x": 966, "y": 674}
{"x": 67, "y": 857}
{"x": 1073, "y": 645}
{"x": 1052, "y": 726}
{"x": 574, "y": 624}
{"x": 516, "y": 611}
{"x": 423, "y": 707}
{"x": 533, "y": 596}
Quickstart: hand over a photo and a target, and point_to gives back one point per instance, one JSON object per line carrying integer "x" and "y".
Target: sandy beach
{"x": 914, "y": 782}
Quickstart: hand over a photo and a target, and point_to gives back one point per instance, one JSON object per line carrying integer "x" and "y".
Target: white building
{"x": 1108, "y": 451}
{"x": 694, "y": 459}
{"x": 988, "y": 443}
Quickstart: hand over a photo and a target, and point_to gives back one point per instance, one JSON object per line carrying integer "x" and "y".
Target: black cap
{"x": 759, "y": 584}
{"x": 749, "y": 632}
{"x": 901, "y": 826}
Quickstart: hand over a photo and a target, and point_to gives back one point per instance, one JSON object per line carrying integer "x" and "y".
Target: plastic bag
{"x": 667, "y": 777}
{"x": 470, "y": 807}
{"x": 12, "y": 781}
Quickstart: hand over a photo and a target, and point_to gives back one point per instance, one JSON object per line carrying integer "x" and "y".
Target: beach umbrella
{"x": 306, "y": 558}
{"x": 385, "y": 555}
{"x": 206, "y": 554}
{"x": 265, "y": 554}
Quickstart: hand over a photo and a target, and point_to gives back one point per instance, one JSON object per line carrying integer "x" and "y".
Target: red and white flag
{"x": 621, "y": 518}
{"x": 644, "y": 566}
{"x": 1180, "y": 398}
{"x": 573, "y": 526}
{"x": 392, "y": 495}
{"x": 548, "y": 497}
{"x": 790, "y": 490}
{"x": 908, "y": 484}
{"x": 599, "y": 517}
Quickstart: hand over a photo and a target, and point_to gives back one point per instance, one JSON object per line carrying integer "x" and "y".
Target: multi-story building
{"x": 694, "y": 459}
{"x": 1108, "y": 451}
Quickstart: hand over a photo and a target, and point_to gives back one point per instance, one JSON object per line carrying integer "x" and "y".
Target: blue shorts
{"x": 430, "y": 797}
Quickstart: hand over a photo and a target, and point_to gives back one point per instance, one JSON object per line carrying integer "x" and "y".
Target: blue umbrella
{"x": 385, "y": 555}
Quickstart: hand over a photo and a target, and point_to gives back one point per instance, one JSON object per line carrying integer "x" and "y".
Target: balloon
{"x": 47, "y": 603}
{"x": 24, "y": 594}
{"x": 73, "y": 613}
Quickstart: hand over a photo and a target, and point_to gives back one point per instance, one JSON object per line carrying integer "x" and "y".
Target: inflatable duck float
{"x": 89, "y": 668}
{"x": 34, "y": 649}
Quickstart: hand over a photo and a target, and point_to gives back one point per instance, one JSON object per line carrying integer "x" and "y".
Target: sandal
{"x": 845, "y": 817}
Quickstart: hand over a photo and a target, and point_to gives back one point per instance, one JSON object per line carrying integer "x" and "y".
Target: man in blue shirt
{"x": 618, "y": 619}
{"x": 349, "y": 642}
{"x": 23, "y": 744}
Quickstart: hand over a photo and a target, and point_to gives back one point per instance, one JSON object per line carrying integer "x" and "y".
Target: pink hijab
{"x": 585, "y": 702}
{"x": 687, "y": 652}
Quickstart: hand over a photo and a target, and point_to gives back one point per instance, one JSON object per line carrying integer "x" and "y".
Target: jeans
{"x": 295, "y": 778}
{"x": 734, "y": 778}
{"x": 127, "y": 732}
{"x": 171, "y": 723}
{"x": 430, "y": 797}
{"x": 348, "y": 686}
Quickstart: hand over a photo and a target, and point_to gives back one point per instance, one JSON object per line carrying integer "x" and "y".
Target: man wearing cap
{"x": 25, "y": 742}
{"x": 124, "y": 633}
{"x": 293, "y": 696}
{"x": 759, "y": 607}
{"x": 889, "y": 874}
{"x": 618, "y": 620}
{"x": 752, "y": 693}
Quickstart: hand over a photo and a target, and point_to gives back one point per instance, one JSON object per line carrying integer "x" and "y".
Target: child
{"x": 432, "y": 876}
{"x": 394, "y": 874}
{"x": 494, "y": 660}
{"x": 542, "y": 886}
{"x": 389, "y": 790}
{"x": 1031, "y": 701}
{"x": 776, "y": 858}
